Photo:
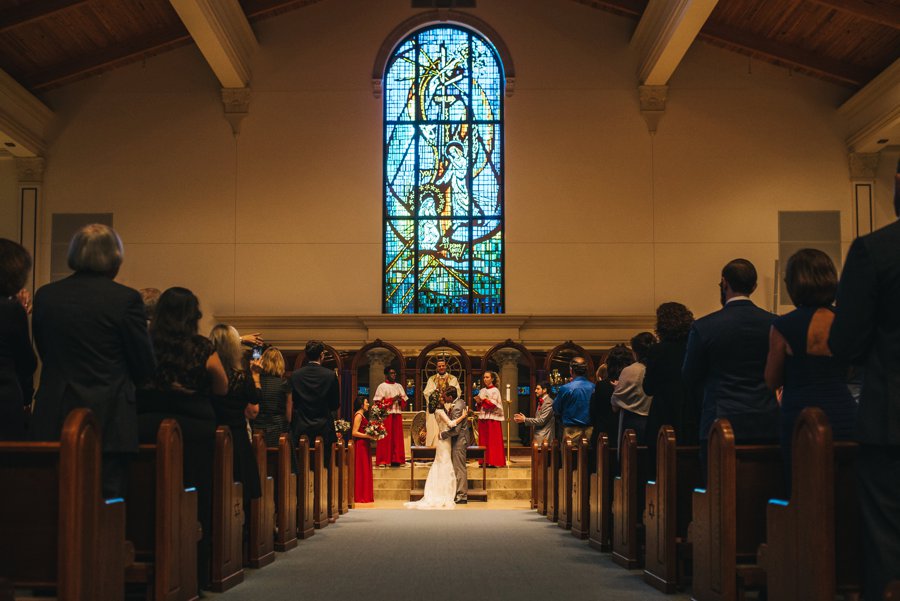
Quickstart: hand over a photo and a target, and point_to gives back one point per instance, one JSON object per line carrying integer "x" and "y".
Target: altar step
{"x": 512, "y": 483}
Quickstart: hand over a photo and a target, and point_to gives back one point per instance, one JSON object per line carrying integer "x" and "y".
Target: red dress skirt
{"x": 363, "y": 491}
{"x": 490, "y": 436}
{"x": 389, "y": 450}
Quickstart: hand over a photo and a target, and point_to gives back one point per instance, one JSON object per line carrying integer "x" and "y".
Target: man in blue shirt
{"x": 573, "y": 402}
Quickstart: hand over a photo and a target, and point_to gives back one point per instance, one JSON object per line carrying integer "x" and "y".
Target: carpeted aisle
{"x": 442, "y": 555}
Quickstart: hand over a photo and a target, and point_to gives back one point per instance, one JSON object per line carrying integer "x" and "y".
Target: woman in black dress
{"x": 188, "y": 372}
{"x": 799, "y": 358}
{"x": 275, "y": 404}
{"x": 17, "y": 361}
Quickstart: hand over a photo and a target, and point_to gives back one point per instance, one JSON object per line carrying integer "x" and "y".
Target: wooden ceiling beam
{"x": 665, "y": 32}
{"x": 260, "y": 9}
{"x": 788, "y": 55}
{"x": 30, "y": 12}
{"x": 223, "y": 35}
{"x": 882, "y": 12}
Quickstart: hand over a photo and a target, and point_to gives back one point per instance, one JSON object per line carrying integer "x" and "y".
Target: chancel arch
{"x": 510, "y": 359}
{"x": 556, "y": 364}
{"x": 367, "y": 366}
{"x": 459, "y": 364}
{"x": 443, "y": 190}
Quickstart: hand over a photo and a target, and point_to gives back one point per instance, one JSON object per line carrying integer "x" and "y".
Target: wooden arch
{"x": 568, "y": 345}
{"x": 301, "y": 358}
{"x": 361, "y": 355}
{"x": 420, "y": 365}
{"x": 529, "y": 360}
{"x": 430, "y": 17}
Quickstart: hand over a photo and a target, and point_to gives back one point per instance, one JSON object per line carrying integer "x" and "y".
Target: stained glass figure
{"x": 443, "y": 174}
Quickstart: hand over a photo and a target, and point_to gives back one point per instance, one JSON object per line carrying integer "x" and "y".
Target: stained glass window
{"x": 443, "y": 174}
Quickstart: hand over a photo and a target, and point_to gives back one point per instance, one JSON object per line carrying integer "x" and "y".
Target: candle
{"x": 507, "y": 393}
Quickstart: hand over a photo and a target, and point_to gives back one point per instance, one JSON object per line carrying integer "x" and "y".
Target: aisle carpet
{"x": 400, "y": 554}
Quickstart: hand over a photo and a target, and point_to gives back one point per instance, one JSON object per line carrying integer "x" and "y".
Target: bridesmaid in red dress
{"x": 363, "y": 491}
{"x": 490, "y": 420}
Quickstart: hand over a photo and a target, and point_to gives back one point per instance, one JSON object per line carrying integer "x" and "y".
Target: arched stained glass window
{"x": 443, "y": 174}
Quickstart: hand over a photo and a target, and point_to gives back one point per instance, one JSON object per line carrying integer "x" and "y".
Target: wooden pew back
{"x": 601, "y": 496}
{"x": 306, "y": 488}
{"x": 350, "y": 457}
{"x": 626, "y": 546}
{"x": 320, "y": 483}
{"x": 581, "y": 490}
{"x": 552, "y": 477}
{"x": 543, "y": 459}
{"x": 564, "y": 495}
{"x": 162, "y": 518}
{"x": 280, "y": 464}
{"x": 58, "y": 531}
{"x": 334, "y": 468}
{"x": 228, "y": 517}
{"x": 535, "y": 459}
{"x": 262, "y": 510}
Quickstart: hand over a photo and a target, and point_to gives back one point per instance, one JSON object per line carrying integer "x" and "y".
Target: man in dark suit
{"x": 316, "y": 396}
{"x": 726, "y": 356}
{"x": 866, "y": 331}
{"x": 91, "y": 334}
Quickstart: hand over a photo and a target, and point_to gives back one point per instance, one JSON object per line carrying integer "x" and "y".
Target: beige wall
{"x": 9, "y": 200}
{"x": 601, "y": 217}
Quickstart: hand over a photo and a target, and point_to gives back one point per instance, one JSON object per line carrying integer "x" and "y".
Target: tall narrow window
{"x": 443, "y": 174}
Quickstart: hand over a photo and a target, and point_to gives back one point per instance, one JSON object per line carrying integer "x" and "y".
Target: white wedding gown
{"x": 440, "y": 486}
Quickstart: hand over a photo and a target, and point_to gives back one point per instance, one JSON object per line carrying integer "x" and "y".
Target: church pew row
{"x": 535, "y": 473}
{"x": 628, "y": 493}
{"x": 228, "y": 517}
{"x": 810, "y": 553}
{"x": 543, "y": 459}
{"x": 306, "y": 487}
{"x": 162, "y": 519}
{"x": 428, "y": 453}
{"x": 564, "y": 481}
{"x": 729, "y": 515}
{"x": 552, "y": 476}
{"x": 319, "y": 476}
{"x": 347, "y": 466}
{"x": 581, "y": 488}
{"x": 261, "y": 544}
{"x": 58, "y": 531}
{"x": 600, "y": 536}
{"x": 667, "y": 512}
{"x": 279, "y": 463}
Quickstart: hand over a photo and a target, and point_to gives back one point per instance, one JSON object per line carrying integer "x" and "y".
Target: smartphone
{"x": 257, "y": 352}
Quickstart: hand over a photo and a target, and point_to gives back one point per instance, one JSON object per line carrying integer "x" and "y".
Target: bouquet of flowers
{"x": 341, "y": 425}
{"x": 376, "y": 430}
{"x": 378, "y": 411}
{"x": 434, "y": 400}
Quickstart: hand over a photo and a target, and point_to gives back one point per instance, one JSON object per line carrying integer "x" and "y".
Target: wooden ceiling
{"x": 49, "y": 43}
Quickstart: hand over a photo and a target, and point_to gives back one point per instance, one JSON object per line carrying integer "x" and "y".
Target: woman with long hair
{"x": 629, "y": 398}
{"x": 363, "y": 491}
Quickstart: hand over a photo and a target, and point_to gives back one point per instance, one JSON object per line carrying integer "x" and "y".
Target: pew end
{"x": 262, "y": 510}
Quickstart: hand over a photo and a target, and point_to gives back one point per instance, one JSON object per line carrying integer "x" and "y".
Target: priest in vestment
{"x": 439, "y": 381}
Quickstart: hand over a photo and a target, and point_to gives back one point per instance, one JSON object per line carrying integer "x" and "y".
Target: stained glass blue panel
{"x": 443, "y": 172}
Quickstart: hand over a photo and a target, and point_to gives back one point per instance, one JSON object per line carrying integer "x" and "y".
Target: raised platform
{"x": 512, "y": 483}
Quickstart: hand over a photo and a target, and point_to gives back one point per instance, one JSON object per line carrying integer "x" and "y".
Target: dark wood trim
{"x": 31, "y": 12}
{"x": 882, "y": 12}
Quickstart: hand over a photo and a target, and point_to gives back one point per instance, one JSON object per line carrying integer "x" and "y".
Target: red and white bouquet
{"x": 376, "y": 430}
{"x": 378, "y": 411}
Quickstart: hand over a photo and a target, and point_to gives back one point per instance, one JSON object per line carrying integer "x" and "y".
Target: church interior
{"x": 625, "y": 151}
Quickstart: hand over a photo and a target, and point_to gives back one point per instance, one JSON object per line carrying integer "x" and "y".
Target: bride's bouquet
{"x": 376, "y": 430}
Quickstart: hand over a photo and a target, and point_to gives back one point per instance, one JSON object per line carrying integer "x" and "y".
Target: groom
{"x": 462, "y": 437}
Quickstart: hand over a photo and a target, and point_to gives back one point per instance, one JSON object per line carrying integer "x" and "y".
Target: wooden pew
{"x": 228, "y": 517}
{"x": 801, "y": 552}
{"x": 162, "y": 519}
{"x": 600, "y": 536}
{"x": 728, "y": 517}
{"x": 305, "y": 490}
{"x": 58, "y": 532}
{"x": 581, "y": 490}
{"x": 262, "y": 510}
{"x": 427, "y": 454}
{"x": 535, "y": 459}
{"x": 334, "y": 468}
{"x": 320, "y": 483}
{"x": 564, "y": 495}
{"x": 553, "y": 471}
{"x": 626, "y": 546}
{"x": 667, "y": 512}
{"x": 279, "y": 463}
{"x": 543, "y": 458}
{"x": 350, "y": 456}
{"x": 344, "y": 485}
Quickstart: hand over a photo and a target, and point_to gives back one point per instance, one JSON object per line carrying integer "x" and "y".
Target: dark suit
{"x": 316, "y": 395}
{"x": 91, "y": 334}
{"x": 674, "y": 403}
{"x": 17, "y": 365}
{"x": 726, "y": 355}
{"x": 866, "y": 331}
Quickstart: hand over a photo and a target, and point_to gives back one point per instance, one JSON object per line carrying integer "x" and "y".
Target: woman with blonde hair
{"x": 275, "y": 402}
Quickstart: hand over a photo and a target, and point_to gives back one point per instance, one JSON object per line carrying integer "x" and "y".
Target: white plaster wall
{"x": 601, "y": 217}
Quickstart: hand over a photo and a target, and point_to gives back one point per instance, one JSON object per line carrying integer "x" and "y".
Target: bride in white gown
{"x": 440, "y": 486}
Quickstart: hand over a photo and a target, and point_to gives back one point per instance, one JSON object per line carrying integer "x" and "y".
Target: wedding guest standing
{"x": 17, "y": 361}
{"x": 572, "y": 405}
{"x": 543, "y": 422}
{"x": 490, "y": 420}
{"x": 91, "y": 334}
{"x": 316, "y": 395}
{"x": 799, "y": 358}
{"x": 628, "y": 397}
{"x": 363, "y": 490}
{"x": 275, "y": 400}
{"x": 391, "y": 395}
